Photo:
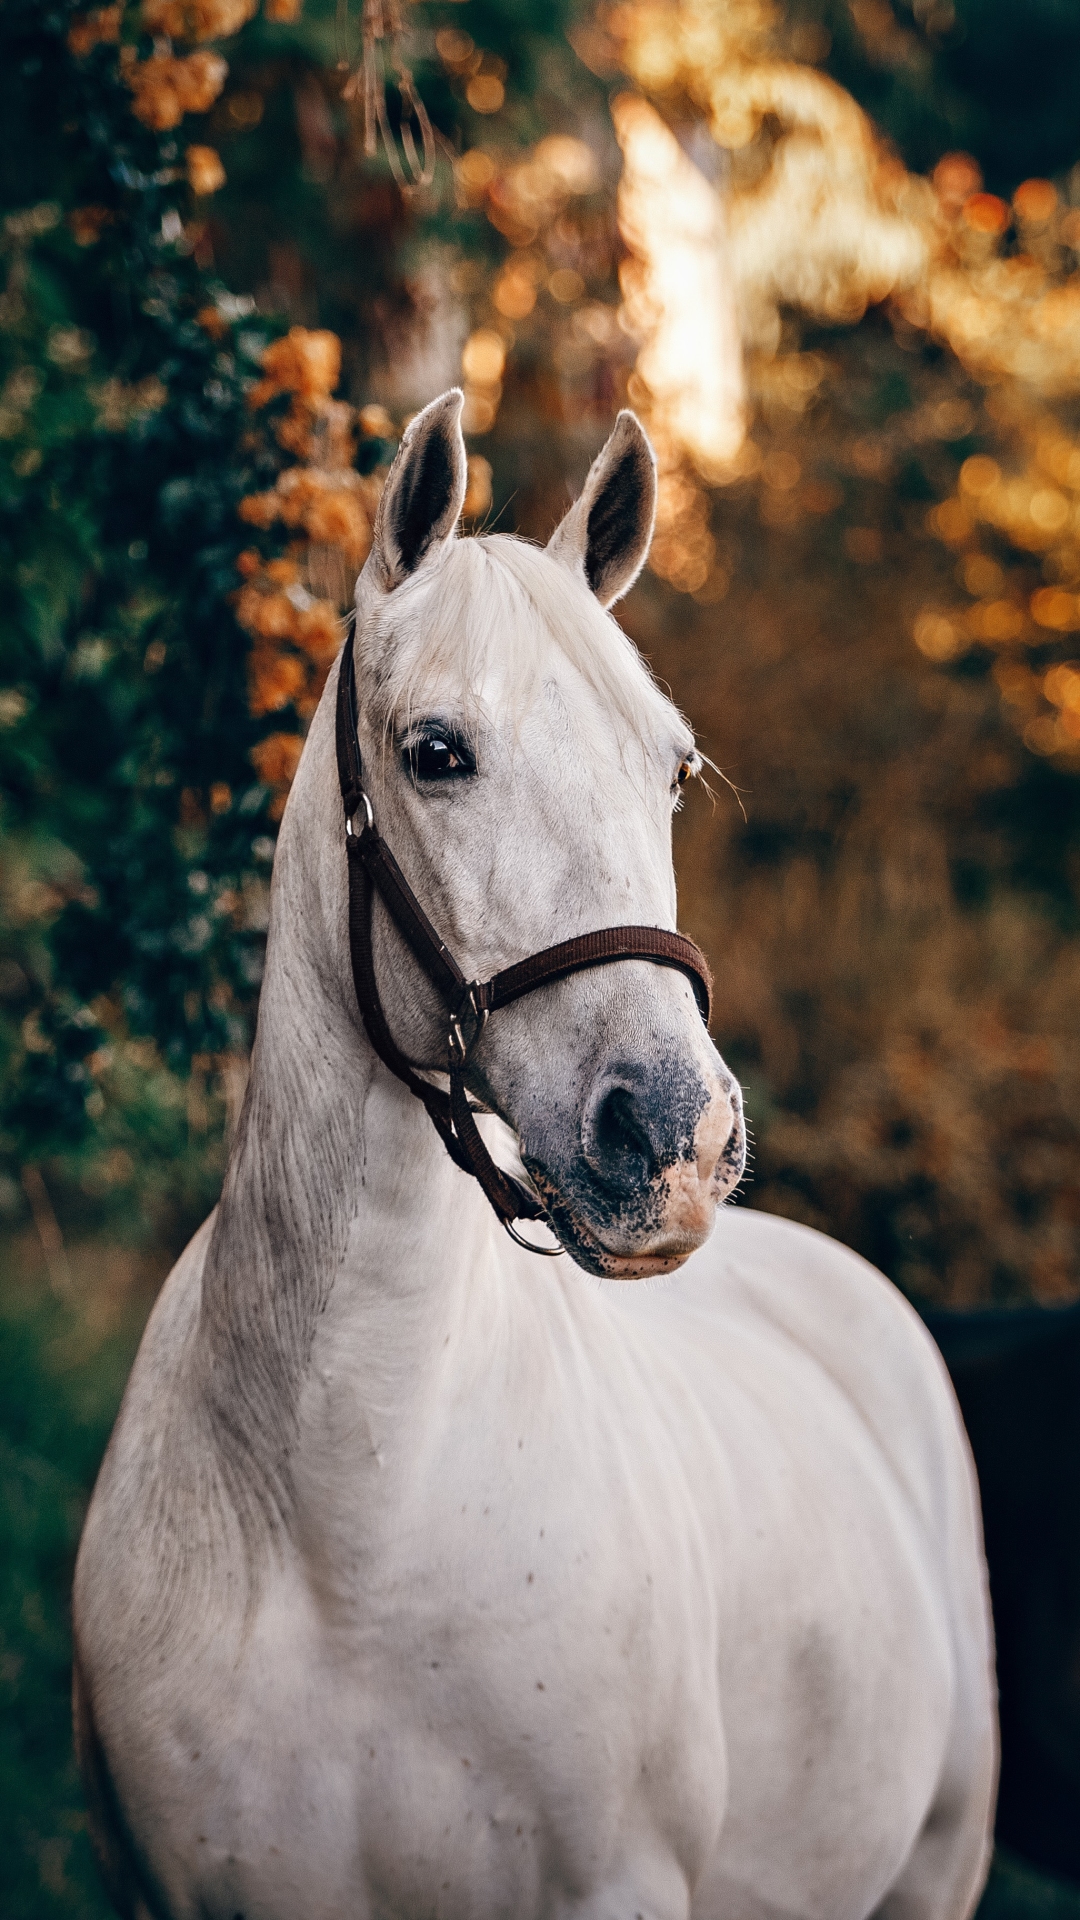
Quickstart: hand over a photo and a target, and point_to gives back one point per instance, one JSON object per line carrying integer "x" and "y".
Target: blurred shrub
{"x": 893, "y": 923}
{"x": 134, "y": 862}
{"x": 63, "y": 1362}
{"x": 176, "y": 537}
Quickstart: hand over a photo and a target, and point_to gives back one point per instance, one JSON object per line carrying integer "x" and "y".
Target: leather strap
{"x": 450, "y": 1114}
{"x": 371, "y": 867}
{"x": 410, "y": 919}
{"x": 598, "y": 950}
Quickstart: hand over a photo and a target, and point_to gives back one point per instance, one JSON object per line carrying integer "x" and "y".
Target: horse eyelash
{"x": 694, "y": 765}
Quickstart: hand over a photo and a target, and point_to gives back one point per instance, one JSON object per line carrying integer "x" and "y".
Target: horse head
{"x": 524, "y": 766}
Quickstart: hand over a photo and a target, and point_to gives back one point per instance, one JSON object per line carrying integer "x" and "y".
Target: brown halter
{"x": 372, "y": 866}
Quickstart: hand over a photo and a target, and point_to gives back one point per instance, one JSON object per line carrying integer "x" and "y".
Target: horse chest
{"x": 487, "y": 1691}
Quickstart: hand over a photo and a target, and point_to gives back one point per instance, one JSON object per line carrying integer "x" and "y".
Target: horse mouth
{"x": 663, "y": 1245}
{"x": 589, "y": 1252}
{"x": 660, "y": 1250}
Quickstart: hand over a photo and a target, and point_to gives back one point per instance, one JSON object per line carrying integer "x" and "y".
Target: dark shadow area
{"x": 1017, "y": 1377}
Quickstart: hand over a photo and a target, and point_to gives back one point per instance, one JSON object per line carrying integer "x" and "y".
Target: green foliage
{"x": 136, "y": 839}
{"x": 314, "y": 226}
{"x": 135, "y": 843}
{"x": 60, "y": 1384}
{"x": 989, "y": 77}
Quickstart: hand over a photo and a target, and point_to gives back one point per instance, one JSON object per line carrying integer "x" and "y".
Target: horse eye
{"x": 434, "y": 757}
{"x": 683, "y": 774}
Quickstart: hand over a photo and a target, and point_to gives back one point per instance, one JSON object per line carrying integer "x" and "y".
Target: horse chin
{"x": 659, "y": 1251}
{"x": 656, "y": 1257}
{"x": 643, "y": 1266}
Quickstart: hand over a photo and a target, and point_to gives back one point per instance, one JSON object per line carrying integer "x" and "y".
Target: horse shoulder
{"x": 854, "y": 1549}
{"x": 115, "y": 1573}
{"x": 865, "y": 1342}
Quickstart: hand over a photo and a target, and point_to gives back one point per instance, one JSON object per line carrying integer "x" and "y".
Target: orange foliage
{"x": 276, "y": 680}
{"x": 197, "y": 19}
{"x": 204, "y": 170}
{"x": 89, "y": 30}
{"x": 275, "y": 760}
{"x": 524, "y": 199}
{"x": 212, "y": 322}
{"x": 305, "y": 362}
{"x": 1008, "y": 518}
{"x": 335, "y": 509}
{"x": 167, "y": 87}
{"x": 1035, "y": 201}
{"x": 329, "y": 508}
{"x": 985, "y": 213}
{"x": 88, "y": 223}
{"x": 271, "y": 616}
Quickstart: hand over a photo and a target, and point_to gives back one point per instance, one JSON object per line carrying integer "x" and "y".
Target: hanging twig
{"x": 382, "y": 58}
{"x": 48, "y": 1228}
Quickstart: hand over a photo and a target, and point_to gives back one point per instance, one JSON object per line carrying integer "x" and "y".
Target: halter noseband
{"x": 372, "y": 867}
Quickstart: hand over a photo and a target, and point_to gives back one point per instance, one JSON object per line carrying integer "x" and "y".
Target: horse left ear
{"x": 608, "y": 530}
{"x": 424, "y": 493}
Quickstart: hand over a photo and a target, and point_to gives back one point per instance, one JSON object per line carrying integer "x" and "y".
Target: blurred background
{"x": 830, "y": 252}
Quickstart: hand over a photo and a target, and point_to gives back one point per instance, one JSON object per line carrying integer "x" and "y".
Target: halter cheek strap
{"x": 372, "y": 868}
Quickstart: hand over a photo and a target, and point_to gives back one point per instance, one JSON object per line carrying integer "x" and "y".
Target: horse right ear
{"x": 424, "y": 493}
{"x": 607, "y": 532}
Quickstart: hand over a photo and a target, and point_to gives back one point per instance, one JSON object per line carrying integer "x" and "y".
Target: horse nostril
{"x": 616, "y": 1142}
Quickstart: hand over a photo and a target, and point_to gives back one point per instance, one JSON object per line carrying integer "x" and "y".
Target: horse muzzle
{"x": 659, "y": 1149}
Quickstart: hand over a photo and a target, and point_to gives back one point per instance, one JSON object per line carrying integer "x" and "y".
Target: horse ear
{"x": 608, "y": 529}
{"x": 424, "y": 493}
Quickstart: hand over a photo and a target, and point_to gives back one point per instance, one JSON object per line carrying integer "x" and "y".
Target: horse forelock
{"x": 497, "y": 611}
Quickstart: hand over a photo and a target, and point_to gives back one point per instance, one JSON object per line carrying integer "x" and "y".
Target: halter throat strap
{"x": 373, "y": 869}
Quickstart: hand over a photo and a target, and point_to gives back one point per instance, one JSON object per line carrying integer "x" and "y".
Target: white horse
{"x": 426, "y": 1579}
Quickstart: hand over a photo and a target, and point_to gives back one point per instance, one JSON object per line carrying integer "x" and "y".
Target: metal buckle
{"x": 458, "y": 1047}
{"x": 350, "y": 830}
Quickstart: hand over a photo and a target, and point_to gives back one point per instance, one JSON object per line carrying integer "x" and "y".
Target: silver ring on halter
{"x": 350, "y": 817}
{"x": 550, "y": 1253}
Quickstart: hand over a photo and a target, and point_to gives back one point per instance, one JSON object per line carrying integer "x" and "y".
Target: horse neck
{"x": 340, "y": 1205}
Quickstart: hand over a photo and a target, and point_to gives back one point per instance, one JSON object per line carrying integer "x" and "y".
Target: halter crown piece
{"x": 372, "y": 867}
